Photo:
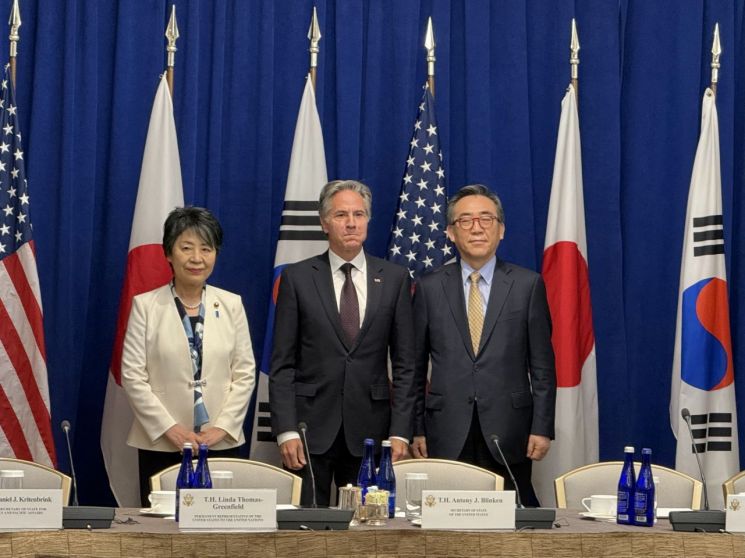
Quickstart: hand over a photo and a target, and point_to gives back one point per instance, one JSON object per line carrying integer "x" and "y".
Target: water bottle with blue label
{"x": 626, "y": 489}
{"x": 645, "y": 491}
{"x": 386, "y": 478}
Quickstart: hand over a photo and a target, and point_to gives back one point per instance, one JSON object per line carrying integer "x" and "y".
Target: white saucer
{"x": 155, "y": 513}
{"x": 603, "y": 516}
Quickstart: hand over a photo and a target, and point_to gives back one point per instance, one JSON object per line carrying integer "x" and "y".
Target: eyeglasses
{"x": 486, "y": 222}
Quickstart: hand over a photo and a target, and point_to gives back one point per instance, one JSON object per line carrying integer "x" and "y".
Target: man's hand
{"x": 538, "y": 446}
{"x": 399, "y": 449}
{"x": 419, "y": 447}
{"x": 293, "y": 455}
{"x": 211, "y": 436}
{"x": 179, "y": 435}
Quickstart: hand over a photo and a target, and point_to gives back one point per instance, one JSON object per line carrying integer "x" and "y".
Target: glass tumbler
{"x": 414, "y": 484}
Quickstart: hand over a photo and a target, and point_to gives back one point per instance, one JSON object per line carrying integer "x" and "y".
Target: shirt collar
{"x": 335, "y": 261}
{"x": 487, "y": 270}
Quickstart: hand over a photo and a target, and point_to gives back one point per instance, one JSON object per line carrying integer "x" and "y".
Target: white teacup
{"x": 601, "y": 504}
{"x": 163, "y": 501}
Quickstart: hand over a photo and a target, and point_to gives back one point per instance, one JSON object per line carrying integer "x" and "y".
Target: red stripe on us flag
{"x": 12, "y": 428}
{"x": 20, "y": 363}
{"x": 26, "y": 295}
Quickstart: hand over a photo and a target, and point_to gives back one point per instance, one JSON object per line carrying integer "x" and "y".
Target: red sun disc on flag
{"x": 568, "y": 289}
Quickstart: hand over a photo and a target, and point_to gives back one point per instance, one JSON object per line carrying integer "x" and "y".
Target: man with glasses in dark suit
{"x": 484, "y": 325}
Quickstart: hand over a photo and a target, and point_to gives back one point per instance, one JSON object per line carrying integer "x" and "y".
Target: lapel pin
{"x": 377, "y": 279}
{"x": 217, "y": 309}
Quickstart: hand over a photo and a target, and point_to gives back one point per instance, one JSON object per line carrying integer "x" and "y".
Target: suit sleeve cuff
{"x": 404, "y": 440}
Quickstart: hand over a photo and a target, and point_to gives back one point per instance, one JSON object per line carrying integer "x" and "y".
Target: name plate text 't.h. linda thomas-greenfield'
{"x": 30, "y": 508}
{"x": 228, "y": 510}
{"x": 468, "y": 509}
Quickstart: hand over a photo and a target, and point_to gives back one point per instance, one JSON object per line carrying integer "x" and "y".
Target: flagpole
{"x": 574, "y": 57}
{"x": 429, "y": 44}
{"x": 314, "y": 36}
{"x": 15, "y": 24}
{"x": 172, "y": 35}
{"x": 716, "y": 52}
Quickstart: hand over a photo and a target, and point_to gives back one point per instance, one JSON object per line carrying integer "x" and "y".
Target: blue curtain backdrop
{"x": 87, "y": 74}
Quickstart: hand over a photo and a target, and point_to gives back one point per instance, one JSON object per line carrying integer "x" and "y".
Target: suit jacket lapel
{"x": 172, "y": 323}
{"x": 500, "y": 289}
{"x": 325, "y": 288}
{"x": 452, "y": 283}
{"x": 374, "y": 290}
{"x": 213, "y": 313}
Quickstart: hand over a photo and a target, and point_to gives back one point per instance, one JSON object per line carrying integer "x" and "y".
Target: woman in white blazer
{"x": 187, "y": 365}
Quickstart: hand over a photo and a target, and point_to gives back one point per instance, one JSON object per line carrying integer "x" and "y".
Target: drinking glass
{"x": 415, "y": 483}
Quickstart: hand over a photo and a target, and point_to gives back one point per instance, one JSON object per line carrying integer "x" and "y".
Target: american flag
{"x": 25, "y": 427}
{"x": 418, "y": 239}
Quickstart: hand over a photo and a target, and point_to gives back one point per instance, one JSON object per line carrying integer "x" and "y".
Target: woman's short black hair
{"x": 199, "y": 219}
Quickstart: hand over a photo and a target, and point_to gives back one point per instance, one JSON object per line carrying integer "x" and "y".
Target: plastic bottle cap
{"x": 369, "y": 441}
{"x": 646, "y": 451}
{"x": 386, "y": 443}
{"x": 187, "y": 445}
{"x": 628, "y": 449}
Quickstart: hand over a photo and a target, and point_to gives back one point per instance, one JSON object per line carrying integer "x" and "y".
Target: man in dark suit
{"x": 485, "y": 326}
{"x": 337, "y": 317}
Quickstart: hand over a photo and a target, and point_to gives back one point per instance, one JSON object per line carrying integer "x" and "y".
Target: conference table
{"x": 136, "y": 536}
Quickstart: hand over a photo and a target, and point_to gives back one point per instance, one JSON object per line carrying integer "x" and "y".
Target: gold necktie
{"x": 475, "y": 311}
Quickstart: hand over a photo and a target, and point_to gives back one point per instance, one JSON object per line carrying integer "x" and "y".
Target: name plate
{"x": 227, "y": 510}
{"x": 468, "y": 509}
{"x": 30, "y": 508}
{"x": 734, "y": 521}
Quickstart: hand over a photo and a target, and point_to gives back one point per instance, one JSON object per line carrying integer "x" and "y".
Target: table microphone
{"x": 495, "y": 439}
{"x": 77, "y": 516}
{"x": 65, "y": 425}
{"x": 686, "y": 414}
{"x": 525, "y": 518}
{"x": 703, "y": 521}
{"x": 303, "y": 429}
{"x": 313, "y": 518}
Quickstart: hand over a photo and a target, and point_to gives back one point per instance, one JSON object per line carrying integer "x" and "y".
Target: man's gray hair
{"x": 336, "y": 186}
{"x": 474, "y": 190}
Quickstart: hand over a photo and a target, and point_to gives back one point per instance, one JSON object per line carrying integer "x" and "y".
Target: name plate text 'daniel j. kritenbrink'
{"x": 30, "y": 508}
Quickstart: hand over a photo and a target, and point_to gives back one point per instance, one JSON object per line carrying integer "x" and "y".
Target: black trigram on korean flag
{"x": 300, "y": 221}
{"x": 708, "y": 235}
{"x": 712, "y": 432}
{"x": 264, "y": 422}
